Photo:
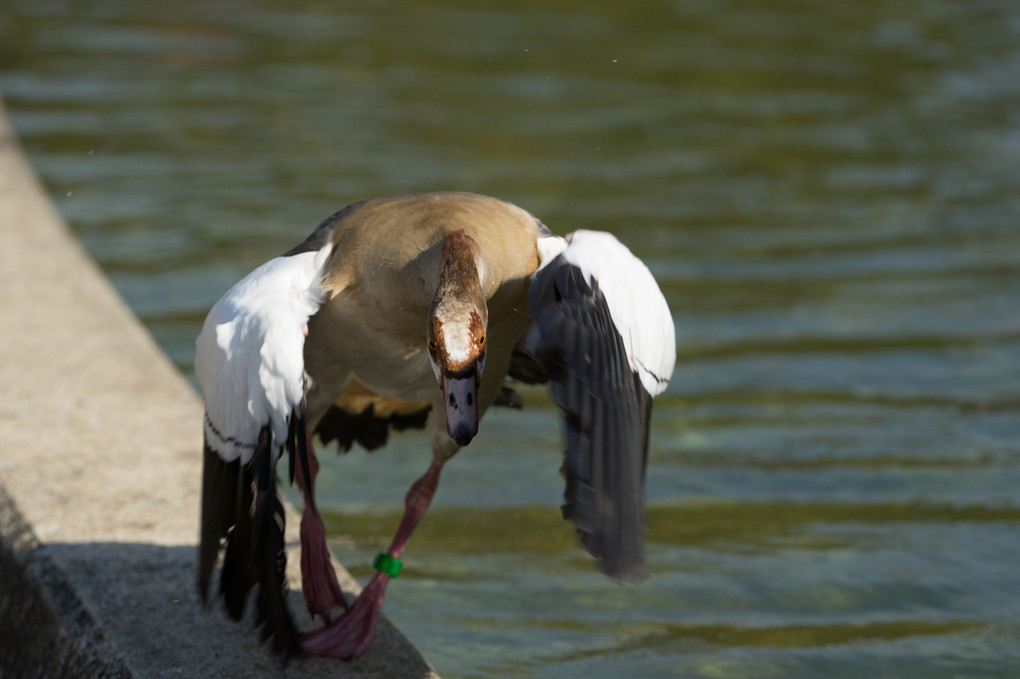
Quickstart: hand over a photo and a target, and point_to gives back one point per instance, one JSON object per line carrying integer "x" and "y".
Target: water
{"x": 829, "y": 194}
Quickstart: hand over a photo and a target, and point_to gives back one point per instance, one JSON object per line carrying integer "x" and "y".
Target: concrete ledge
{"x": 46, "y": 629}
{"x": 99, "y": 481}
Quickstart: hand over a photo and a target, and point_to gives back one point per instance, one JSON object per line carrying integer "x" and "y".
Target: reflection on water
{"x": 828, "y": 193}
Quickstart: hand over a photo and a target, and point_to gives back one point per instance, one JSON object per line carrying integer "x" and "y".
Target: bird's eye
{"x": 481, "y": 341}
{"x": 432, "y": 345}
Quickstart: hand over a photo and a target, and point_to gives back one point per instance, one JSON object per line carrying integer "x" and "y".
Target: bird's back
{"x": 382, "y": 275}
{"x": 395, "y": 241}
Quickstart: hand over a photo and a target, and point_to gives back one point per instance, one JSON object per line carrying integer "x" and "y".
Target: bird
{"x": 419, "y": 311}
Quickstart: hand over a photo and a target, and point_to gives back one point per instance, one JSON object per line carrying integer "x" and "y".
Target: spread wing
{"x": 249, "y": 361}
{"x": 605, "y": 336}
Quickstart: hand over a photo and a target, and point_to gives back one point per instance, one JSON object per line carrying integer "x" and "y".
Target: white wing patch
{"x": 548, "y": 248}
{"x": 249, "y": 357}
{"x": 635, "y": 302}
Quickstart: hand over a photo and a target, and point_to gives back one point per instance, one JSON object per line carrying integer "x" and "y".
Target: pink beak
{"x": 460, "y": 391}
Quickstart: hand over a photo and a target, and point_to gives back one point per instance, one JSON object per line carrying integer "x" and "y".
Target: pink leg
{"x": 318, "y": 579}
{"x": 352, "y": 632}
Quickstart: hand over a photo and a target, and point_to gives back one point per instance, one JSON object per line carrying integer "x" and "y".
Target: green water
{"x": 829, "y": 194}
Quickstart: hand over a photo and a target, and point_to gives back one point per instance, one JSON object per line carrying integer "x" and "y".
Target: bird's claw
{"x": 352, "y": 632}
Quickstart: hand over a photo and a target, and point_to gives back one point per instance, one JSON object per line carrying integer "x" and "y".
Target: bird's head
{"x": 456, "y": 334}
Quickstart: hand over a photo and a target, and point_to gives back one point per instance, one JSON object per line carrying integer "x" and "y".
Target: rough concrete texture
{"x": 99, "y": 481}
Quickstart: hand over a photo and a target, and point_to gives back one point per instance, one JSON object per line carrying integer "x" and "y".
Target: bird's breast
{"x": 383, "y": 346}
{"x": 400, "y": 372}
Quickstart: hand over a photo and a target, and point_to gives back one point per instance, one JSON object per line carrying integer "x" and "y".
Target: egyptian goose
{"x": 419, "y": 310}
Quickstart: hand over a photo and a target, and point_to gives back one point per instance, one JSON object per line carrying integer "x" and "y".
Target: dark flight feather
{"x": 240, "y": 503}
{"x": 606, "y": 418}
{"x": 270, "y": 555}
{"x": 219, "y": 481}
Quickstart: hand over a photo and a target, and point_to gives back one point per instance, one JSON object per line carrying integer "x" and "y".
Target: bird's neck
{"x": 459, "y": 293}
{"x": 462, "y": 268}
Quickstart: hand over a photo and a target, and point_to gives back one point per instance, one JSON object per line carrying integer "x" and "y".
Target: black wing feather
{"x": 219, "y": 481}
{"x": 241, "y": 503}
{"x": 237, "y": 576}
{"x": 606, "y": 418}
{"x": 270, "y": 552}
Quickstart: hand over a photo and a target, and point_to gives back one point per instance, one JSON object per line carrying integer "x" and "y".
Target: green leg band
{"x": 384, "y": 563}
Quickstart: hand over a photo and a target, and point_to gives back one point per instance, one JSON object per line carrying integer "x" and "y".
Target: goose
{"x": 419, "y": 311}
